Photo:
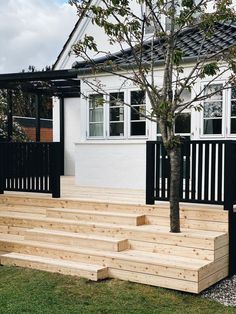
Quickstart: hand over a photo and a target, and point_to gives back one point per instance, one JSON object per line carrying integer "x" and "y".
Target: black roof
{"x": 188, "y": 41}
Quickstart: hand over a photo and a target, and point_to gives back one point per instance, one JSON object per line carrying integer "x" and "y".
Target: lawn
{"x": 29, "y": 291}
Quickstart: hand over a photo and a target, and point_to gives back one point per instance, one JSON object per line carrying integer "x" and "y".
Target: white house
{"x": 106, "y": 145}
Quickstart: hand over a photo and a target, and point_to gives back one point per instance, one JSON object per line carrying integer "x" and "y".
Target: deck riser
{"x": 202, "y": 254}
{"x": 189, "y": 223}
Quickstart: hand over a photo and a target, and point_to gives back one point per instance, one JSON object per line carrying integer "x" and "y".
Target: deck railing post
{"x": 150, "y": 170}
{"x": 55, "y": 169}
{"x": 228, "y": 168}
{"x": 1, "y": 168}
{"x": 229, "y": 200}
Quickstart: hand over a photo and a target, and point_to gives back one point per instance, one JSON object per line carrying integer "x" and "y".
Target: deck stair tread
{"x": 185, "y": 232}
{"x": 87, "y": 269}
{"x": 22, "y": 208}
{"x": 74, "y": 238}
{"x": 21, "y": 215}
{"x": 131, "y": 255}
{"x": 74, "y": 234}
{"x": 97, "y": 216}
{"x": 91, "y": 212}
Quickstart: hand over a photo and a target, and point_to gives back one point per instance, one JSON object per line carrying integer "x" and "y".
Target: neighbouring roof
{"x": 61, "y": 83}
{"x": 188, "y": 41}
{"x": 29, "y": 122}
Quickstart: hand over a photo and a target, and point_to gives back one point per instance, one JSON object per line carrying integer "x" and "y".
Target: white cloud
{"x": 33, "y": 32}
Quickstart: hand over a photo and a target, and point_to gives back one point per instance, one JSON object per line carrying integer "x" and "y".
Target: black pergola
{"x": 60, "y": 83}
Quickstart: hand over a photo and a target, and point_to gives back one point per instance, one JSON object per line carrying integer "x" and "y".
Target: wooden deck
{"x": 110, "y": 233}
{"x": 70, "y": 191}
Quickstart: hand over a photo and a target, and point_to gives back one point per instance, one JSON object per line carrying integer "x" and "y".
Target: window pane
{"x": 96, "y": 129}
{"x": 213, "y": 126}
{"x": 138, "y": 97}
{"x": 138, "y": 128}
{"x": 213, "y": 109}
{"x": 233, "y": 126}
{"x": 233, "y": 108}
{"x": 117, "y": 129}
{"x": 136, "y": 113}
{"x": 117, "y": 114}
{"x": 183, "y": 123}
{"x": 212, "y": 89}
{"x": 233, "y": 92}
{"x": 96, "y": 115}
{"x": 95, "y": 101}
{"x": 116, "y": 99}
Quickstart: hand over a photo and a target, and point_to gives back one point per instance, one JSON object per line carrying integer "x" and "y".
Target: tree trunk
{"x": 175, "y": 165}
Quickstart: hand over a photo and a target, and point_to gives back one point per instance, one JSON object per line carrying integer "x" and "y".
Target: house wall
{"x": 114, "y": 165}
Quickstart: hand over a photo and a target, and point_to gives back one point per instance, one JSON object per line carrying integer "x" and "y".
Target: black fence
{"x": 30, "y": 167}
{"x": 208, "y": 175}
{"x": 208, "y": 172}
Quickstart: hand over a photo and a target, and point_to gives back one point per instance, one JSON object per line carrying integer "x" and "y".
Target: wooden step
{"x": 97, "y": 216}
{"x": 201, "y": 239}
{"x": 89, "y": 271}
{"x": 194, "y": 216}
{"x": 23, "y": 208}
{"x": 186, "y": 274}
{"x": 82, "y": 240}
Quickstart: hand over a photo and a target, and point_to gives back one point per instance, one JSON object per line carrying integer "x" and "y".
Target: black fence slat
{"x": 206, "y": 172}
{"x": 193, "y": 172}
{"x": 213, "y": 171}
{"x": 157, "y": 177}
{"x": 150, "y": 168}
{"x": 199, "y": 170}
{"x": 220, "y": 168}
{"x": 163, "y": 172}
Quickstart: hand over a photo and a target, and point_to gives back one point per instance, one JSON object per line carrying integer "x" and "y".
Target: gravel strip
{"x": 223, "y": 292}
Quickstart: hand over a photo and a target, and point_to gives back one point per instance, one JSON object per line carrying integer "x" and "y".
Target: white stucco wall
{"x": 72, "y": 132}
{"x": 114, "y": 165}
{"x": 56, "y": 120}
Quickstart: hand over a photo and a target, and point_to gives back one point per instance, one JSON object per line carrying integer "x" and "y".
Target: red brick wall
{"x": 45, "y": 134}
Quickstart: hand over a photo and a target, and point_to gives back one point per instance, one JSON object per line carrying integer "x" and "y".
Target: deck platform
{"x": 102, "y": 233}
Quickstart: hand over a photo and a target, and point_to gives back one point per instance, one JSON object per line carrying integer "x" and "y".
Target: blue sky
{"x": 32, "y": 32}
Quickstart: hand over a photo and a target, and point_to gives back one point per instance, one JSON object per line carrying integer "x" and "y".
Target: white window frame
{"x": 88, "y": 118}
{"x": 228, "y": 114}
{"x": 223, "y": 118}
{"x": 129, "y": 117}
{"x": 106, "y": 117}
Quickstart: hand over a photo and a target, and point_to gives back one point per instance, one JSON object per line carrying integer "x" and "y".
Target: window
{"x": 183, "y": 123}
{"x": 138, "y": 107}
{"x": 109, "y": 117}
{"x": 233, "y": 111}
{"x": 96, "y": 115}
{"x": 212, "y": 110}
{"x": 116, "y": 114}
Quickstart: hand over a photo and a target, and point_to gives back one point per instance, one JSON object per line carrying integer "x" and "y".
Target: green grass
{"x": 29, "y": 291}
